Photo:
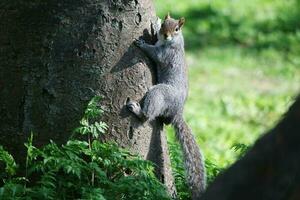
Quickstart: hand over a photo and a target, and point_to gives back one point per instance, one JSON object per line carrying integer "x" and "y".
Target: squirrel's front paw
{"x": 139, "y": 42}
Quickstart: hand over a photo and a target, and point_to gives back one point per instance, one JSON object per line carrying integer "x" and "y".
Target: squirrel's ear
{"x": 168, "y": 16}
{"x": 181, "y": 22}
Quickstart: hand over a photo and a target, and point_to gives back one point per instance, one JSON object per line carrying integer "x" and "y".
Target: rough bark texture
{"x": 270, "y": 170}
{"x": 55, "y": 55}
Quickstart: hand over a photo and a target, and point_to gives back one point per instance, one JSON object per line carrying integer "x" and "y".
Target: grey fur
{"x": 166, "y": 100}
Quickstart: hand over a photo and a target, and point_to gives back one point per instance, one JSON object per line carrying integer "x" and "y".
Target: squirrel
{"x": 166, "y": 99}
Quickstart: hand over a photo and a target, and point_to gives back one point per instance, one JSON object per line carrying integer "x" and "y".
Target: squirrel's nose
{"x": 166, "y": 35}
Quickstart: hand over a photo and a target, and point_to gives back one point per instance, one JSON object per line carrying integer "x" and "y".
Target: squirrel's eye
{"x": 176, "y": 29}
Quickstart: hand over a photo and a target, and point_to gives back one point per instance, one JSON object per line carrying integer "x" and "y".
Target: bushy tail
{"x": 193, "y": 159}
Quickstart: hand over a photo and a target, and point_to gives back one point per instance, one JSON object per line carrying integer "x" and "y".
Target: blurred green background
{"x": 244, "y": 69}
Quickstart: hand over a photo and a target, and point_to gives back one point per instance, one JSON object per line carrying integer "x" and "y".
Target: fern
{"x": 9, "y": 162}
{"x": 81, "y": 169}
{"x": 212, "y": 170}
{"x": 240, "y": 148}
{"x": 178, "y": 169}
{"x": 183, "y": 192}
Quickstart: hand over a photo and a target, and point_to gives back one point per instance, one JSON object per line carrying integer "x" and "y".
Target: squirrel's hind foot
{"x": 134, "y": 107}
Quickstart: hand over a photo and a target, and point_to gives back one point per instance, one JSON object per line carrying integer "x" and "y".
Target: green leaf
{"x": 10, "y": 164}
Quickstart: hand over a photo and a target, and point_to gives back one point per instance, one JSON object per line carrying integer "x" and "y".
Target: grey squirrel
{"x": 166, "y": 99}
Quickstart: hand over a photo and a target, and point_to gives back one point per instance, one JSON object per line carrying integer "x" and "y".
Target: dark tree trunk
{"x": 56, "y": 55}
{"x": 270, "y": 170}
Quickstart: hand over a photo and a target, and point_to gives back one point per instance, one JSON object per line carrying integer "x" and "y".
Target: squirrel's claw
{"x": 128, "y": 100}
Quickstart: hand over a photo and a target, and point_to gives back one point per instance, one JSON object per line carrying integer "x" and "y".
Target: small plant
{"x": 212, "y": 170}
{"x": 81, "y": 169}
{"x": 10, "y": 164}
{"x": 240, "y": 148}
{"x": 178, "y": 170}
{"x": 183, "y": 192}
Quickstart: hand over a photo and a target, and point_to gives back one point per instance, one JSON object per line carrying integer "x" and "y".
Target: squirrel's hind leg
{"x": 154, "y": 102}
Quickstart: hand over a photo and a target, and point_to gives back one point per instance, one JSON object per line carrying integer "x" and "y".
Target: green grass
{"x": 236, "y": 95}
{"x": 255, "y": 9}
{"x": 244, "y": 69}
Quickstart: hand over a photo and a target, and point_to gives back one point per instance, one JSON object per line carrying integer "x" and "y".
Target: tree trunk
{"x": 270, "y": 170}
{"x": 56, "y": 55}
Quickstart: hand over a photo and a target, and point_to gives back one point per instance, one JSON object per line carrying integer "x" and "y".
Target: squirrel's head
{"x": 170, "y": 28}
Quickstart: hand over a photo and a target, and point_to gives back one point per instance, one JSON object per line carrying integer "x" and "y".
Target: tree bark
{"x": 56, "y": 55}
{"x": 270, "y": 170}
